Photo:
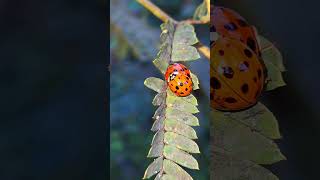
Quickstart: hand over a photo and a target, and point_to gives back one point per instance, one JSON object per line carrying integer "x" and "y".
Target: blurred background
{"x": 53, "y": 88}
{"x": 134, "y": 44}
{"x": 293, "y": 26}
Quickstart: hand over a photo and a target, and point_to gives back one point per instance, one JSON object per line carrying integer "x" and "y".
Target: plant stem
{"x": 204, "y": 50}
{"x": 192, "y": 21}
{"x": 208, "y": 6}
{"x": 155, "y": 10}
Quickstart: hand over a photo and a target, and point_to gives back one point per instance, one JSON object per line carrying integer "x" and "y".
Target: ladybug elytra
{"x": 229, "y": 23}
{"x": 236, "y": 75}
{"x": 178, "y": 78}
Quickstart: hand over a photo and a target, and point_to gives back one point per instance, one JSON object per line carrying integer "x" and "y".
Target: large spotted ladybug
{"x": 236, "y": 75}
{"x": 228, "y": 23}
{"x": 178, "y": 78}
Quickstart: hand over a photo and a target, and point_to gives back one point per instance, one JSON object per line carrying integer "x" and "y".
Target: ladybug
{"x": 229, "y": 23}
{"x": 236, "y": 75}
{"x": 178, "y": 78}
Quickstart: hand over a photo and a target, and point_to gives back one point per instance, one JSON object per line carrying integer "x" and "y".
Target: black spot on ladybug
{"x": 186, "y": 89}
{"x": 230, "y": 100}
{"x": 181, "y": 93}
{"x": 259, "y": 73}
{"x": 251, "y": 43}
{"x": 242, "y": 23}
{"x": 187, "y": 78}
{"x": 221, "y": 52}
{"x": 188, "y": 75}
{"x": 245, "y": 88}
{"x": 177, "y": 88}
{"x": 230, "y": 26}
{"x": 181, "y": 84}
{"x": 228, "y": 72}
{"x": 175, "y": 70}
{"x": 248, "y": 53}
{"x": 215, "y": 84}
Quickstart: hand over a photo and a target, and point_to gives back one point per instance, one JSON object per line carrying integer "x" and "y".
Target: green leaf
{"x": 195, "y": 81}
{"x": 184, "y": 38}
{"x": 153, "y": 168}
{"x": 168, "y": 177}
{"x": 258, "y": 118}
{"x": 166, "y": 39}
{"x": 158, "y": 124}
{"x": 275, "y": 79}
{"x": 181, "y": 142}
{"x": 271, "y": 54}
{"x": 154, "y": 83}
{"x": 274, "y": 64}
{"x": 240, "y": 141}
{"x": 158, "y": 177}
{"x": 156, "y": 150}
{"x": 161, "y": 65}
{"x": 178, "y": 103}
{"x": 157, "y": 144}
{"x": 184, "y": 117}
{"x": 157, "y": 138}
{"x": 171, "y": 168}
{"x": 159, "y": 98}
{"x": 189, "y": 99}
{"x": 184, "y": 159}
{"x": 180, "y": 128}
{"x": 159, "y": 112}
{"x": 202, "y": 13}
{"x": 225, "y": 167}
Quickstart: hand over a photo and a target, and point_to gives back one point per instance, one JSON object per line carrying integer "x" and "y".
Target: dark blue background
{"x": 54, "y": 90}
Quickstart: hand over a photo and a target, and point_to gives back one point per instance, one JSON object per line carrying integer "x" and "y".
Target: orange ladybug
{"x": 229, "y": 23}
{"x": 178, "y": 79}
{"x": 236, "y": 75}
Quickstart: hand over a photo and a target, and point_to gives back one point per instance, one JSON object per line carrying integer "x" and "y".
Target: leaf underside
{"x": 274, "y": 63}
{"x": 231, "y": 168}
